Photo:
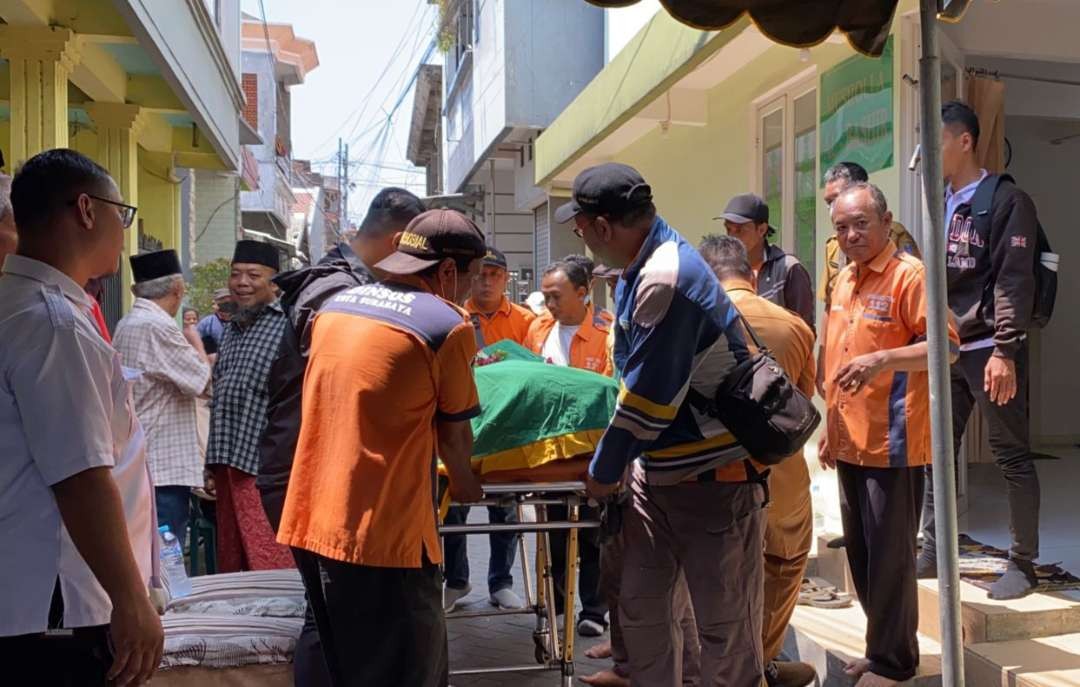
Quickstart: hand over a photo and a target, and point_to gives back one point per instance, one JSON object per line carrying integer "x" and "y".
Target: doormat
{"x": 982, "y": 564}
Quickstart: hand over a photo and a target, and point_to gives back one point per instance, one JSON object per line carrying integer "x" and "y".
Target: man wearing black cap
{"x": 695, "y": 506}
{"x": 495, "y": 318}
{"x": 395, "y": 359}
{"x": 245, "y": 540}
{"x": 780, "y": 277}
{"x": 174, "y": 373}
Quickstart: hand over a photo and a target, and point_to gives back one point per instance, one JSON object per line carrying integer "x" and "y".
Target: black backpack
{"x": 1045, "y": 277}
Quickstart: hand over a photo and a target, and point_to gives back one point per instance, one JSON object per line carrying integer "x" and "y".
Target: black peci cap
{"x": 160, "y": 263}
{"x": 432, "y": 237}
{"x": 605, "y": 189}
{"x": 257, "y": 253}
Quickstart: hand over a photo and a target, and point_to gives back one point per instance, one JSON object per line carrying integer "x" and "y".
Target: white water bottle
{"x": 172, "y": 564}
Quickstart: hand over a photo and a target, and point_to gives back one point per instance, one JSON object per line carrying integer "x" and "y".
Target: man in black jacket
{"x": 991, "y": 282}
{"x": 302, "y": 294}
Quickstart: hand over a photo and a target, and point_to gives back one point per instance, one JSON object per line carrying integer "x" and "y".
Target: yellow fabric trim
{"x": 629, "y": 398}
{"x": 686, "y": 449}
{"x": 542, "y": 452}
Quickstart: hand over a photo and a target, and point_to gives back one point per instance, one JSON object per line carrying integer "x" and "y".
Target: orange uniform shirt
{"x": 509, "y": 321}
{"x": 791, "y": 342}
{"x": 879, "y": 306}
{"x": 387, "y": 360}
{"x": 588, "y": 349}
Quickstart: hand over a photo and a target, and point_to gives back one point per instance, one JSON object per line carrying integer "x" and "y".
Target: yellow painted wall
{"x": 5, "y": 142}
{"x": 158, "y": 204}
{"x": 695, "y": 170}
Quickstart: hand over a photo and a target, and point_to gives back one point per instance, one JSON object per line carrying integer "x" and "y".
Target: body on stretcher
{"x": 557, "y": 483}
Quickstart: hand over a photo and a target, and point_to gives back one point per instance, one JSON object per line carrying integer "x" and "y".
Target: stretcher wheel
{"x": 540, "y": 652}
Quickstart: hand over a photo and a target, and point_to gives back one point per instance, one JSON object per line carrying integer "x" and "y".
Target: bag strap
{"x": 983, "y": 200}
{"x": 762, "y": 348}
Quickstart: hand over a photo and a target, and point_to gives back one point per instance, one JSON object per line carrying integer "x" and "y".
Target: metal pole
{"x": 952, "y": 644}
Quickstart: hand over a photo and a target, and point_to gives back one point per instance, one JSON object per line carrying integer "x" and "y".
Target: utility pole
{"x": 341, "y": 191}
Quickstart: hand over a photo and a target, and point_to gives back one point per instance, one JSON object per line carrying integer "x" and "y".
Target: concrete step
{"x": 1043, "y": 662}
{"x": 829, "y": 639}
{"x": 986, "y": 620}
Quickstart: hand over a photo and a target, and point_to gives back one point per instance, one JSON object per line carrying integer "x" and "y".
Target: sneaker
{"x": 452, "y": 595}
{"x": 789, "y": 674}
{"x": 506, "y": 600}
{"x": 589, "y": 628}
{"x": 1018, "y": 581}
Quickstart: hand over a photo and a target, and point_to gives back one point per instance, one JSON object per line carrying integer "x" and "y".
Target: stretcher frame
{"x": 551, "y": 654}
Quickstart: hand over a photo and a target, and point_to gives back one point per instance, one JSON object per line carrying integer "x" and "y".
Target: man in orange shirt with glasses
{"x": 878, "y": 426}
{"x": 494, "y": 318}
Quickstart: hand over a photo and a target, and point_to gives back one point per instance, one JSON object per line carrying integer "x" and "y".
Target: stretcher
{"x": 553, "y": 484}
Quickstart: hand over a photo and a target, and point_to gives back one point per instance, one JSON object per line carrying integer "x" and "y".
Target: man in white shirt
{"x": 175, "y": 373}
{"x": 75, "y": 604}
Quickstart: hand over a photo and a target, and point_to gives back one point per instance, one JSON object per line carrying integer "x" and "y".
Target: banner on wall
{"x": 857, "y": 112}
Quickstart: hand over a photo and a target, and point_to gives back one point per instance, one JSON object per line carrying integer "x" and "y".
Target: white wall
{"x": 1045, "y": 172}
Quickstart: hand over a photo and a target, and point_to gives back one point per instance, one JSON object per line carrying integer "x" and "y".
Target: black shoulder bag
{"x": 758, "y": 404}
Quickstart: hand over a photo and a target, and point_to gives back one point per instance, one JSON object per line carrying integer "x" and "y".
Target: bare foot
{"x": 874, "y": 680}
{"x": 606, "y": 678}
{"x": 858, "y": 667}
{"x": 599, "y": 651}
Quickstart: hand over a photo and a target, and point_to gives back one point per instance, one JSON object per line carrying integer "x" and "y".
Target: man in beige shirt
{"x": 789, "y": 520}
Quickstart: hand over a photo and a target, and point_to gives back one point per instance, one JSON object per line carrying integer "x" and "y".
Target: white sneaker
{"x": 589, "y": 628}
{"x": 506, "y": 600}
{"x": 451, "y": 596}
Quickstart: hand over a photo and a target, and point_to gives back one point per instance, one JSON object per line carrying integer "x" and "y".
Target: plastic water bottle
{"x": 172, "y": 564}
{"x": 818, "y": 507}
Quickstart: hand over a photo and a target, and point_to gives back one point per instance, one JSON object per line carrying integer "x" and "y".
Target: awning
{"x": 798, "y": 23}
{"x": 289, "y": 248}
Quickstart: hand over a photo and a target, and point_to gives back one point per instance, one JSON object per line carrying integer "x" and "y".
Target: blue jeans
{"x": 174, "y": 509}
{"x": 503, "y": 550}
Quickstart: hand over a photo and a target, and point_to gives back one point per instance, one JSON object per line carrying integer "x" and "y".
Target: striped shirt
{"x": 173, "y": 376}
{"x": 241, "y": 392}
{"x": 675, "y": 329}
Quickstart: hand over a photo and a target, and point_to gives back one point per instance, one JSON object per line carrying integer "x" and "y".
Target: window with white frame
{"x": 787, "y": 152}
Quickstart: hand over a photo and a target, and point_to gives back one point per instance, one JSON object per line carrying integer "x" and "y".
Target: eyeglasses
{"x": 127, "y": 212}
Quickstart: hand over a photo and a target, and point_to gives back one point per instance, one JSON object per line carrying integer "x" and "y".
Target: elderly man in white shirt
{"x": 74, "y": 607}
{"x": 174, "y": 374}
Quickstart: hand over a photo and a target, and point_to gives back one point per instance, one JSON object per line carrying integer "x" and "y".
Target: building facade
{"x": 507, "y": 75}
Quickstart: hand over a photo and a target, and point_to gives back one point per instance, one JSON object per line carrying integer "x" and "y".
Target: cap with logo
{"x": 610, "y": 188}
{"x": 432, "y": 237}
{"x": 257, "y": 253}
{"x": 160, "y": 263}
{"x": 494, "y": 258}
{"x": 747, "y": 207}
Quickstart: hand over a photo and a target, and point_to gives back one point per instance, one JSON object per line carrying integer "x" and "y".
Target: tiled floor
{"x": 489, "y": 642}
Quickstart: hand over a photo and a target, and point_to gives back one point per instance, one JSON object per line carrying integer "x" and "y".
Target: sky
{"x": 358, "y": 41}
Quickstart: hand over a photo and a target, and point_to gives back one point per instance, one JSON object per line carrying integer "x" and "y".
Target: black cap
{"x": 495, "y": 258}
{"x": 160, "y": 263}
{"x": 605, "y": 189}
{"x": 432, "y": 237}
{"x": 747, "y": 207}
{"x": 257, "y": 253}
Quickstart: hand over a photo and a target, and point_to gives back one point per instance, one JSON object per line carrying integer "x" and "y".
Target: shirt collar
{"x": 503, "y": 309}
{"x": 968, "y": 190}
{"x": 737, "y": 284}
{"x": 879, "y": 263}
{"x": 773, "y": 252}
{"x": 151, "y": 308}
{"x": 28, "y": 268}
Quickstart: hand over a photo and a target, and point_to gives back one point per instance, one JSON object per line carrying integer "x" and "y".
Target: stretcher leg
{"x": 567, "y": 657}
{"x": 523, "y": 554}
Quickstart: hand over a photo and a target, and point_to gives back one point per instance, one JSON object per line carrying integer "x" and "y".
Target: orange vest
{"x": 509, "y": 321}
{"x": 588, "y": 349}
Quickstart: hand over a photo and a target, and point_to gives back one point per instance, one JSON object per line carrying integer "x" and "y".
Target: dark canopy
{"x": 798, "y": 23}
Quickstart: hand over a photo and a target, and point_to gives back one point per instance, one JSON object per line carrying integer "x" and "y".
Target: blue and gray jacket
{"x": 675, "y": 330}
